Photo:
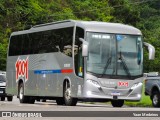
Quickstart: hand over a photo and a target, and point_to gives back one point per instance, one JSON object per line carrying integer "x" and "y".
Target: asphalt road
{"x": 84, "y": 111}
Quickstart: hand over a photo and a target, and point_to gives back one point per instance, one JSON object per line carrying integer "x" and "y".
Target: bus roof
{"x": 93, "y": 26}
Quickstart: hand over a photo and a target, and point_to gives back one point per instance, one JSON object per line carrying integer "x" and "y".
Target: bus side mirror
{"x": 84, "y": 47}
{"x": 151, "y": 50}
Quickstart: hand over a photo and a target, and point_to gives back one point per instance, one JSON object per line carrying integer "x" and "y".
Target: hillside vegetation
{"x": 18, "y": 15}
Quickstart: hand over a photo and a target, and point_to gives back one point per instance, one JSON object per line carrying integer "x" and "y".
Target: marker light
{"x": 44, "y": 75}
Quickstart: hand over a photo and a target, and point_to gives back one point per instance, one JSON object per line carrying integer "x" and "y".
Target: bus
{"x": 71, "y": 60}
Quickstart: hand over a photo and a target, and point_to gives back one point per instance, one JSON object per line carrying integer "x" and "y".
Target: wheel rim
{"x": 21, "y": 93}
{"x": 155, "y": 99}
{"x": 68, "y": 94}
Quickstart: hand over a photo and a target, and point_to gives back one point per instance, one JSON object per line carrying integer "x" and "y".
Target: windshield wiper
{"x": 106, "y": 66}
{"x": 125, "y": 67}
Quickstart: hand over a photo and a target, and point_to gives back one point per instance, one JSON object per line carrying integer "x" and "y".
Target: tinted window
{"x": 35, "y": 38}
{"x": 65, "y": 39}
{"x": 78, "y": 52}
{"x": 25, "y": 44}
{"x": 58, "y": 40}
{"x": 15, "y": 45}
{"x": 47, "y": 43}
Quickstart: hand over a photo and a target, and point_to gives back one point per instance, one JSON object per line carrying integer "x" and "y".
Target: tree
{"x": 16, "y": 15}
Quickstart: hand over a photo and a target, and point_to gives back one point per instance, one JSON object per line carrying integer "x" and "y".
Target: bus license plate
{"x": 115, "y": 93}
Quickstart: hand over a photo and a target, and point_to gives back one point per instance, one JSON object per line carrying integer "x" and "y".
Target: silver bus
{"x": 74, "y": 60}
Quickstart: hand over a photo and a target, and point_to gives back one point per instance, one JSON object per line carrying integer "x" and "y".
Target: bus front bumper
{"x": 130, "y": 94}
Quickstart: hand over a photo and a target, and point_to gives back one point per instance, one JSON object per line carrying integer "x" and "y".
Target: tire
{"x": 60, "y": 101}
{"x": 117, "y": 103}
{"x": 9, "y": 98}
{"x": 156, "y": 99}
{"x": 22, "y": 98}
{"x": 68, "y": 100}
{"x": 2, "y": 98}
{"x": 43, "y": 100}
{"x": 31, "y": 100}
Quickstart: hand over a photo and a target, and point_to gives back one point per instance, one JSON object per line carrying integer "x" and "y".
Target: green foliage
{"x": 125, "y": 12}
{"x": 18, "y": 15}
{"x": 91, "y": 9}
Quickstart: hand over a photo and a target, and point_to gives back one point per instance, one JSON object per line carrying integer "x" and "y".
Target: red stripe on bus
{"x": 66, "y": 71}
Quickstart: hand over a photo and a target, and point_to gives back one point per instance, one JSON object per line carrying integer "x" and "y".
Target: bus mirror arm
{"x": 151, "y": 50}
{"x": 84, "y": 47}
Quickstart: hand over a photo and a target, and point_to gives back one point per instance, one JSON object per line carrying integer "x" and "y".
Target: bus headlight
{"x": 95, "y": 83}
{"x": 89, "y": 93}
{"x": 136, "y": 85}
{"x": 139, "y": 95}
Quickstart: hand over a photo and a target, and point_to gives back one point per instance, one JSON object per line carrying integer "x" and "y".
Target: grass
{"x": 145, "y": 101}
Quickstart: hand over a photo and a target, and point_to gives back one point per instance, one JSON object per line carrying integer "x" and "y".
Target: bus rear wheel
{"x": 2, "y": 98}
{"x": 9, "y": 98}
{"x": 68, "y": 99}
{"x": 117, "y": 103}
{"x": 43, "y": 100}
{"x": 60, "y": 101}
{"x": 22, "y": 98}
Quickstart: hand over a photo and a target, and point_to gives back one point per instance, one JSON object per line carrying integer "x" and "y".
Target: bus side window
{"x": 15, "y": 45}
{"x": 25, "y": 44}
{"x": 12, "y": 46}
{"x": 31, "y": 43}
{"x": 35, "y": 42}
{"x": 53, "y": 44}
{"x": 57, "y": 40}
{"x": 78, "y": 59}
{"x": 65, "y": 38}
{"x": 44, "y": 43}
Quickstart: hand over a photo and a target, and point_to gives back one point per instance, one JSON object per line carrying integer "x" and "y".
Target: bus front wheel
{"x": 68, "y": 99}
{"x": 117, "y": 103}
{"x": 60, "y": 101}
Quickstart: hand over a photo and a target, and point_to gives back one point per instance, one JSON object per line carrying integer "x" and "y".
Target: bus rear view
{"x": 74, "y": 60}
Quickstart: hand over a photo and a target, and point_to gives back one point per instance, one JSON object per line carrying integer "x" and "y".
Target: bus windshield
{"x": 114, "y": 54}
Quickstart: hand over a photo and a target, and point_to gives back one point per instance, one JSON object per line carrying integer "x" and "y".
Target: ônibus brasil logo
{"x": 21, "y": 67}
